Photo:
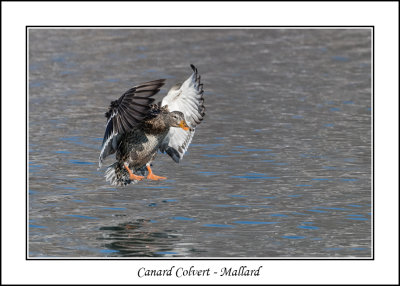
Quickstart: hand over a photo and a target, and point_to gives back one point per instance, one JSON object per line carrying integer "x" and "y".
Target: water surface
{"x": 280, "y": 167}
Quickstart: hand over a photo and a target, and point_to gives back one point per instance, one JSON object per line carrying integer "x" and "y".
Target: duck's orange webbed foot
{"x": 153, "y": 177}
{"x": 132, "y": 176}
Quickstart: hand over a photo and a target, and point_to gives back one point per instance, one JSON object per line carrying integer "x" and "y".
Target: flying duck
{"x": 136, "y": 128}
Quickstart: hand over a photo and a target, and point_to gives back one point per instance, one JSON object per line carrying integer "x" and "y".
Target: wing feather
{"x": 126, "y": 112}
{"x": 188, "y": 99}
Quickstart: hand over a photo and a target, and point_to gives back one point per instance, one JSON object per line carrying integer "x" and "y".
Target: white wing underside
{"x": 188, "y": 99}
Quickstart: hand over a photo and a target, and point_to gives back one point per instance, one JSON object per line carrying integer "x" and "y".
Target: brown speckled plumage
{"x": 139, "y": 146}
{"x": 136, "y": 129}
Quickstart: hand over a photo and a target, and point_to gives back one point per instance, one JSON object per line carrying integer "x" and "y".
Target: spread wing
{"x": 125, "y": 113}
{"x": 188, "y": 99}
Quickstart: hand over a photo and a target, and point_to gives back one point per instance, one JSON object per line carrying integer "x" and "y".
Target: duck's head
{"x": 177, "y": 119}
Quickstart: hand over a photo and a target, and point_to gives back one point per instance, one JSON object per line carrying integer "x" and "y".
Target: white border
{"x": 384, "y": 16}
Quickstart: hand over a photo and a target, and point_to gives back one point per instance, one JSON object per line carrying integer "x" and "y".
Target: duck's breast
{"x": 153, "y": 142}
{"x": 143, "y": 148}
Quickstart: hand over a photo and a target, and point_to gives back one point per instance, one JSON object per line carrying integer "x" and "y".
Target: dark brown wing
{"x": 126, "y": 112}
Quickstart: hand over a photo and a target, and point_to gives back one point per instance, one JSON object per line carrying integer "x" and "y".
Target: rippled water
{"x": 280, "y": 167}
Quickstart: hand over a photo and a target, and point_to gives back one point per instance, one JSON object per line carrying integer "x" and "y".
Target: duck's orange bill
{"x": 183, "y": 125}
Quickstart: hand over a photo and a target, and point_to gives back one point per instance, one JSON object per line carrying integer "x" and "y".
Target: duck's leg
{"x": 151, "y": 176}
{"x": 132, "y": 176}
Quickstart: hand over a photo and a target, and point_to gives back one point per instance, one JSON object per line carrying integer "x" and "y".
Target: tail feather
{"x": 117, "y": 175}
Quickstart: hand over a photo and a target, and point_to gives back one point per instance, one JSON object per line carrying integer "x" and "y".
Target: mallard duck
{"x": 136, "y": 128}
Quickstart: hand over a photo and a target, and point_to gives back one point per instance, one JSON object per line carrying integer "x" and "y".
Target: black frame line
{"x": 372, "y": 27}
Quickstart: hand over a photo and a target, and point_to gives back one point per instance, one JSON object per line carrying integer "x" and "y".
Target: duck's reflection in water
{"x": 138, "y": 238}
